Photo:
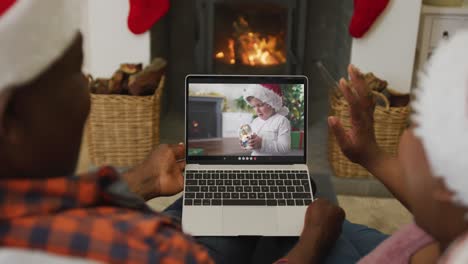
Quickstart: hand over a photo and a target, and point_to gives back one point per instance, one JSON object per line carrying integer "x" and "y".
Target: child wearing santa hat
{"x": 271, "y": 128}
{"x": 429, "y": 174}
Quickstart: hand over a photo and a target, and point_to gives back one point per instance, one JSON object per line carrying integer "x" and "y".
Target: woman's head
{"x": 434, "y": 153}
{"x": 266, "y": 99}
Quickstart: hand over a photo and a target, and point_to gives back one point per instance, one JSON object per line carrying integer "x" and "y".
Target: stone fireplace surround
{"x": 325, "y": 38}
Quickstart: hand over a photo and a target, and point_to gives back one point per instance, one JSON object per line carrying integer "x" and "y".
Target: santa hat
{"x": 457, "y": 251}
{"x": 34, "y": 34}
{"x": 441, "y": 114}
{"x": 267, "y": 93}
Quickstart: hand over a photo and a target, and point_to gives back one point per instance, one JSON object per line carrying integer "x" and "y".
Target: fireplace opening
{"x": 205, "y": 121}
{"x": 250, "y": 37}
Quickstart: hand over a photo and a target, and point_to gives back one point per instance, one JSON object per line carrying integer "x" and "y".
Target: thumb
{"x": 338, "y": 130}
{"x": 179, "y": 150}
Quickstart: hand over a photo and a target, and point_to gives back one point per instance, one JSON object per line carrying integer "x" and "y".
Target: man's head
{"x": 43, "y": 98}
{"x": 434, "y": 153}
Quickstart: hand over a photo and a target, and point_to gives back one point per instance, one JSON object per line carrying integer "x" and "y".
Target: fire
{"x": 251, "y": 48}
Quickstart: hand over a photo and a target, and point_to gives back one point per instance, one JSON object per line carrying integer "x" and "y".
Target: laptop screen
{"x": 246, "y": 119}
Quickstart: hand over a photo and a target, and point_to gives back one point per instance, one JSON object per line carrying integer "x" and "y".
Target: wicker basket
{"x": 123, "y": 129}
{"x": 389, "y": 124}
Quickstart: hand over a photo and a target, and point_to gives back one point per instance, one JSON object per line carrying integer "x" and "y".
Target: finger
{"x": 179, "y": 151}
{"x": 355, "y": 73}
{"x": 180, "y": 181}
{"x": 358, "y": 80}
{"x": 350, "y": 97}
{"x": 316, "y": 203}
{"x": 339, "y": 132}
{"x": 365, "y": 97}
{"x": 181, "y": 165}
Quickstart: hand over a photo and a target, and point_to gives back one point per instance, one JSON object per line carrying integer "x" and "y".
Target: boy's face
{"x": 45, "y": 120}
{"x": 430, "y": 201}
{"x": 263, "y": 110}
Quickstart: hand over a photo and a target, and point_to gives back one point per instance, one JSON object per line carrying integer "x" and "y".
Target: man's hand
{"x": 160, "y": 174}
{"x": 322, "y": 227}
{"x": 359, "y": 143}
{"x": 255, "y": 142}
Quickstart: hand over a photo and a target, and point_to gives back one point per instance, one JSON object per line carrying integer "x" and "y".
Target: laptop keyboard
{"x": 247, "y": 187}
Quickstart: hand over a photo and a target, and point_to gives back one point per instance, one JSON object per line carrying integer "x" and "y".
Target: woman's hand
{"x": 358, "y": 144}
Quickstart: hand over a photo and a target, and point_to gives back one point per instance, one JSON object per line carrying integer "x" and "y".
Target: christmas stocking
{"x": 144, "y": 13}
{"x": 365, "y": 14}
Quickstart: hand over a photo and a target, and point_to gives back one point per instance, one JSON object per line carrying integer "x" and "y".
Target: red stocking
{"x": 144, "y": 13}
{"x": 5, "y": 5}
{"x": 364, "y": 16}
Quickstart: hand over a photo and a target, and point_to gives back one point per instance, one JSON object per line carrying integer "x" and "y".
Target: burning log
{"x": 251, "y": 48}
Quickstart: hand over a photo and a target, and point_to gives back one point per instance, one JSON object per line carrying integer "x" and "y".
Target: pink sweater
{"x": 399, "y": 247}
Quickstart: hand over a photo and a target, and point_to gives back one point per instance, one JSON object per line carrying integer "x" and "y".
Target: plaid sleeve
{"x": 77, "y": 217}
{"x": 176, "y": 247}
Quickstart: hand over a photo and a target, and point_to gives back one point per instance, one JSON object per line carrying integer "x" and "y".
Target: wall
{"x": 107, "y": 40}
{"x": 329, "y": 42}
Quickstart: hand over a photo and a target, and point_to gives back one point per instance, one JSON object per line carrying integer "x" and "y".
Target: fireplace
{"x": 205, "y": 120}
{"x": 194, "y": 32}
{"x": 250, "y": 37}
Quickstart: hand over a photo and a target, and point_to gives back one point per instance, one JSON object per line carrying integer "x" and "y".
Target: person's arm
{"x": 282, "y": 143}
{"x": 161, "y": 174}
{"x": 322, "y": 227}
{"x": 359, "y": 143}
{"x": 388, "y": 170}
{"x": 304, "y": 252}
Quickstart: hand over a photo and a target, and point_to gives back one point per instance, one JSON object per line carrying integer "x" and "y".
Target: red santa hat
{"x": 267, "y": 93}
{"x": 441, "y": 114}
{"x": 34, "y": 33}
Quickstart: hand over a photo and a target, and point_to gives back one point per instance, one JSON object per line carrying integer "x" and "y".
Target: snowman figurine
{"x": 245, "y": 134}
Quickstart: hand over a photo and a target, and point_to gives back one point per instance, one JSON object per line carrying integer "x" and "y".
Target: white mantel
{"x": 107, "y": 40}
{"x": 389, "y": 48}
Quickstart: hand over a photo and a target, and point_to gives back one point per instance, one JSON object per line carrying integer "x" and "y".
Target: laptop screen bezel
{"x": 247, "y": 79}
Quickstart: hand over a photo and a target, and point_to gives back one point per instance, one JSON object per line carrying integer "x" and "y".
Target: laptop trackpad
{"x": 248, "y": 221}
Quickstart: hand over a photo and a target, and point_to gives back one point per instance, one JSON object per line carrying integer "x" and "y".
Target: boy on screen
{"x": 271, "y": 129}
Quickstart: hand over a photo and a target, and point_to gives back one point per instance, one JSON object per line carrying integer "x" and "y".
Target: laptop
{"x": 246, "y": 139}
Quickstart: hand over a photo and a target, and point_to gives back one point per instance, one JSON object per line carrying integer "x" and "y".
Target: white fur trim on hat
{"x": 266, "y": 96}
{"x": 441, "y": 114}
{"x": 34, "y": 34}
{"x": 457, "y": 252}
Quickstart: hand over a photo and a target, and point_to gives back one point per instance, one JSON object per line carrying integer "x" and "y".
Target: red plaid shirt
{"x": 80, "y": 216}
